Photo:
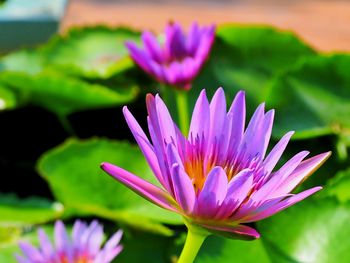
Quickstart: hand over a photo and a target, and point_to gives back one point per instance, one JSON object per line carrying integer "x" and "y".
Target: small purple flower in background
{"x": 179, "y": 60}
{"x": 83, "y": 247}
{"x": 219, "y": 178}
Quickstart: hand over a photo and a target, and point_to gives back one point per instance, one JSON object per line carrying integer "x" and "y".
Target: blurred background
{"x": 322, "y": 23}
{"x": 65, "y": 75}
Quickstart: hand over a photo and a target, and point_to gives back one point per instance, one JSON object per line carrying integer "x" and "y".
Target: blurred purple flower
{"x": 83, "y": 247}
{"x": 219, "y": 177}
{"x": 179, "y": 60}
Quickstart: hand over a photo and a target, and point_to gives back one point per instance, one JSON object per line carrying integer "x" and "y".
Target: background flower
{"x": 179, "y": 60}
{"x": 84, "y": 246}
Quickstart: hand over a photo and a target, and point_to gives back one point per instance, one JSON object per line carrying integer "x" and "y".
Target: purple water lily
{"x": 83, "y": 247}
{"x": 219, "y": 178}
{"x": 179, "y": 60}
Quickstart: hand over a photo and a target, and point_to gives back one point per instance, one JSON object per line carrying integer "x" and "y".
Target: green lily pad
{"x": 223, "y": 250}
{"x": 313, "y": 98}
{"x": 339, "y": 186}
{"x": 63, "y": 95}
{"x": 8, "y": 99}
{"x": 9, "y": 247}
{"x": 27, "y": 61}
{"x": 33, "y": 210}
{"x": 311, "y": 231}
{"x": 247, "y": 58}
{"x": 81, "y": 184}
{"x": 96, "y": 52}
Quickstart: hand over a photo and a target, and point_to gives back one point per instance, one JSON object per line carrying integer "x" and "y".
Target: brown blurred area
{"x": 323, "y": 24}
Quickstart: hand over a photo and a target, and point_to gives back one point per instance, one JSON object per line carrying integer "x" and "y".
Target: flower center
{"x": 77, "y": 259}
{"x": 200, "y": 161}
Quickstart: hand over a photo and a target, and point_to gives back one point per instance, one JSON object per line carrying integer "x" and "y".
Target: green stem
{"x": 66, "y": 125}
{"x": 194, "y": 241}
{"x": 182, "y": 109}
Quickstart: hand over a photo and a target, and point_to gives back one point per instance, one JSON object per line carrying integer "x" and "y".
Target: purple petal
{"x": 45, "y": 244}
{"x": 175, "y": 41}
{"x": 206, "y": 41}
{"x": 305, "y": 169}
{"x": 284, "y": 204}
{"x": 237, "y": 110}
{"x": 95, "y": 237}
{"x": 193, "y": 39}
{"x": 213, "y": 193}
{"x": 173, "y": 156}
{"x": 247, "y": 146}
{"x": 155, "y": 131}
{"x": 21, "y": 259}
{"x": 268, "y": 190}
{"x": 140, "y": 186}
{"x": 152, "y": 46}
{"x": 237, "y": 192}
{"x": 183, "y": 189}
{"x": 139, "y": 56}
{"x": 217, "y": 114}
{"x": 111, "y": 249}
{"x": 200, "y": 118}
{"x": 62, "y": 240}
{"x": 31, "y": 252}
{"x": 276, "y": 153}
{"x": 144, "y": 144}
{"x": 234, "y": 231}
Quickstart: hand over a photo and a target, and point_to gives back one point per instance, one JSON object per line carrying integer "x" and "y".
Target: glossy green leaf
{"x": 9, "y": 247}
{"x": 33, "y": 210}
{"x": 311, "y": 231}
{"x": 223, "y": 250}
{"x": 248, "y": 57}
{"x": 27, "y": 61}
{"x": 96, "y": 52}
{"x": 339, "y": 186}
{"x": 144, "y": 247}
{"x": 74, "y": 174}
{"x": 62, "y": 94}
{"x": 8, "y": 99}
{"x": 313, "y": 98}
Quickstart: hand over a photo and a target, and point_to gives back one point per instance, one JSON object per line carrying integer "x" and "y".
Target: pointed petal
{"x": 175, "y": 41}
{"x": 62, "y": 240}
{"x": 213, "y": 192}
{"x": 152, "y": 46}
{"x": 305, "y": 169}
{"x": 139, "y": 56}
{"x": 234, "y": 231}
{"x": 144, "y": 144}
{"x": 166, "y": 123}
{"x": 193, "y": 38}
{"x": 237, "y": 192}
{"x": 200, "y": 117}
{"x": 217, "y": 114}
{"x": 140, "y": 186}
{"x": 183, "y": 189}
{"x": 247, "y": 146}
{"x": 276, "y": 153}
{"x": 45, "y": 244}
{"x": 283, "y": 204}
{"x": 237, "y": 110}
{"x": 269, "y": 189}
{"x": 31, "y": 252}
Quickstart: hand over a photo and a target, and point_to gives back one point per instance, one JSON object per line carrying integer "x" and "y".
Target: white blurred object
{"x": 32, "y": 8}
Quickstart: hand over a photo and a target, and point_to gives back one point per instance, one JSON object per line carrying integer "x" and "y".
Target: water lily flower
{"x": 219, "y": 178}
{"x": 84, "y": 246}
{"x": 178, "y": 61}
